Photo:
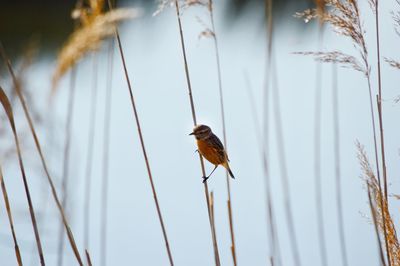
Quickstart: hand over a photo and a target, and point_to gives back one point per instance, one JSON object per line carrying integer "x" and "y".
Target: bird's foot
{"x": 196, "y": 151}
{"x": 205, "y": 178}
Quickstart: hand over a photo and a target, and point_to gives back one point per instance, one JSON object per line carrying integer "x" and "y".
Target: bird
{"x": 211, "y": 148}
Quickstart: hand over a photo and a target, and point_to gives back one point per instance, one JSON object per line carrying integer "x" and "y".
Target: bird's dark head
{"x": 201, "y": 132}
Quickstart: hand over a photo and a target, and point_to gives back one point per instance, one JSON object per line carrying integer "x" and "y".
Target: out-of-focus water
{"x": 155, "y": 65}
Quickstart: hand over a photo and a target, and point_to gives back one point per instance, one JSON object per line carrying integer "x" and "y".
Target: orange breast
{"x": 209, "y": 152}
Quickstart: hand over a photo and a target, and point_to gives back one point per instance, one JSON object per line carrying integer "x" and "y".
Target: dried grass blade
{"x": 89, "y": 260}
{"x": 222, "y": 111}
{"x": 338, "y": 179}
{"x": 66, "y": 160}
{"x": 89, "y": 38}
{"x": 10, "y": 218}
{"x": 139, "y": 129}
{"x": 193, "y": 111}
{"x": 89, "y": 159}
{"x": 106, "y": 157}
{"x": 7, "y": 107}
{"x": 39, "y": 149}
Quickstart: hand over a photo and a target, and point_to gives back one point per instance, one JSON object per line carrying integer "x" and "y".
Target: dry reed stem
{"x": 274, "y": 253}
{"x": 273, "y": 237}
{"x": 344, "y": 17}
{"x": 139, "y": 129}
{"x": 222, "y": 110}
{"x": 373, "y": 212}
{"x": 9, "y": 214}
{"x": 375, "y": 8}
{"x": 89, "y": 37}
{"x": 39, "y": 149}
{"x": 8, "y": 109}
{"x": 89, "y": 158}
{"x": 380, "y": 206}
{"x": 66, "y": 160}
{"x": 338, "y": 175}
{"x": 89, "y": 260}
{"x": 317, "y": 152}
{"x": 282, "y": 163}
{"x": 106, "y": 157}
{"x": 192, "y": 106}
{"x": 272, "y": 75}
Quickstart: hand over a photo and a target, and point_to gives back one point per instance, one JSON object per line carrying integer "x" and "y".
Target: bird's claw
{"x": 205, "y": 178}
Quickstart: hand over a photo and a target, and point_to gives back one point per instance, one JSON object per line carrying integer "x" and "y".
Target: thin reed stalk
{"x": 273, "y": 240}
{"x": 377, "y": 165}
{"x": 89, "y": 260}
{"x": 345, "y": 18}
{"x": 39, "y": 149}
{"x": 106, "y": 157}
{"x": 282, "y": 163}
{"x": 10, "y": 218}
{"x": 89, "y": 158}
{"x": 379, "y": 205}
{"x": 65, "y": 173}
{"x": 136, "y": 116}
{"x": 274, "y": 252}
{"x": 317, "y": 154}
{"x": 373, "y": 212}
{"x": 222, "y": 110}
{"x": 338, "y": 175}
{"x": 379, "y": 100}
{"x": 8, "y": 109}
{"x": 192, "y": 106}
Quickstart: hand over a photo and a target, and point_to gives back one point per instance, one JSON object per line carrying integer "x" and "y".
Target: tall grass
{"x": 274, "y": 253}
{"x": 89, "y": 158}
{"x": 222, "y": 110}
{"x": 39, "y": 149}
{"x": 193, "y": 111}
{"x": 66, "y": 159}
{"x": 345, "y": 18}
{"x": 139, "y": 129}
{"x": 337, "y": 165}
{"x": 272, "y": 76}
{"x": 273, "y": 240}
{"x": 106, "y": 157}
{"x": 317, "y": 148}
{"x": 9, "y": 112}
{"x": 9, "y": 215}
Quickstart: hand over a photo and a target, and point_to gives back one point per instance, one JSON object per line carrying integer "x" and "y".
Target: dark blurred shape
{"x": 50, "y": 21}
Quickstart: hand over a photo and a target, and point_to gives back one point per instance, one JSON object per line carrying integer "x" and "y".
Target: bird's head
{"x": 201, "y": 132}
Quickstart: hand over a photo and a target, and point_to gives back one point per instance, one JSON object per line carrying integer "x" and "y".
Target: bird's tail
{"x": 226, "y": 165}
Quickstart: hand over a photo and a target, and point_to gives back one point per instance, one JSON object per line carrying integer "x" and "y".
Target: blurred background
{"x": 33, "y": 32}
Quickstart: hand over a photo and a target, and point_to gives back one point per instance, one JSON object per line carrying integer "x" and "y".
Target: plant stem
{"x": 106, "y": 157}
{"x": 222, "y": 110}
{"x": 192, "y": 106}
{"x": 39, "y": 149}
{"x": 7, "y": 108}
{"x": 282, "y": 164}
{"x": 273, "y": 238}
{"x": 139, "y": 129}
{"x": 89, "y": 158}
{"x": 10, "y": 218}
{"x": 336, "y": 144}
{"x": 274, "y": 253}
{"x": 317, "y": 154}
{"x": 65, "y": 173}
{"x": 378, "y": 53}
{"x": 376, "y": 226}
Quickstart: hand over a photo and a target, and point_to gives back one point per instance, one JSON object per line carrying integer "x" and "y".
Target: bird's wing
{"x": 218, "y": 146}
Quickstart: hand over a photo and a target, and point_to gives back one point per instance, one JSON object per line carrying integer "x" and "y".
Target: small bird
{"x": 211, "y": 148}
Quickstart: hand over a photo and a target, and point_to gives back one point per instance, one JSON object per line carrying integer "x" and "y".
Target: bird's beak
{"x": 191, "y": 134}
